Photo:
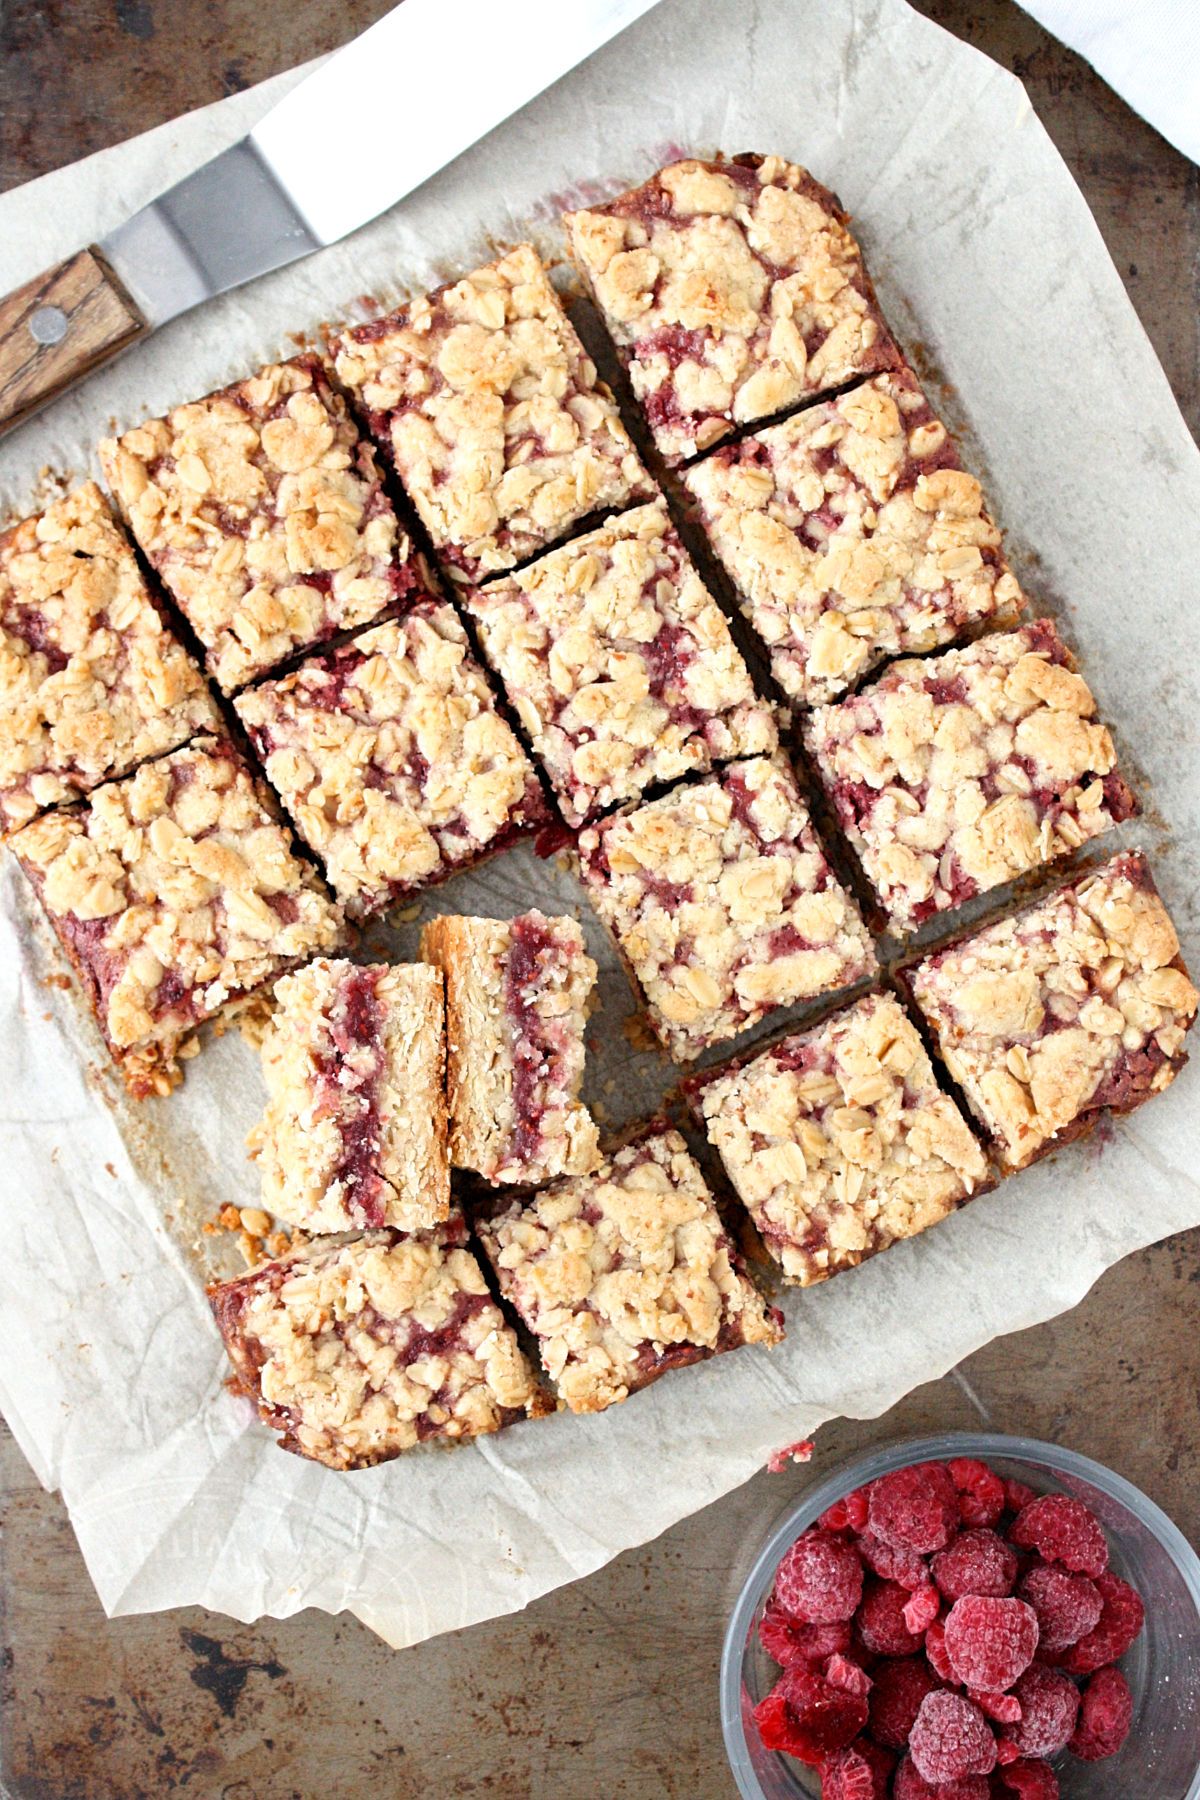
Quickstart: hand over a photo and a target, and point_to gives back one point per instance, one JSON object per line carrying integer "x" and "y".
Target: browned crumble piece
{"x": 1078, "y": 1003}
{"x": 724, "y": 904}
{"x": 262, "y": 510}
{"x": 356, "y": 1349}
{"x": 92, "y": 681}
{"x": 839, "y": 1140}
{"x": 355, "y": 1133}
{"x": 732, "y": 290}
{"x": 626, "y": 1273}
{"x": 174, "y": 893}
{"x": 490, "y": 410}
{"x": 852, "y": 533}
{"x": 390, "y": 756}
{"x": 516, "y": 1003}
{"x": 955, "y": 774}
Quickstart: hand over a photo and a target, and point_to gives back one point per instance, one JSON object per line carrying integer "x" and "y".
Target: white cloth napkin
{"x": 1149, "y": 50}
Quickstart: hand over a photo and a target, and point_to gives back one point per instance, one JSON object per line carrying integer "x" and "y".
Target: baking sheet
{"x": 995, "y": 278}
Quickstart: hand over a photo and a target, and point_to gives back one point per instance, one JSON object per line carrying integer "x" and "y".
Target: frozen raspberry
{"x": 893, "y": 1562}
{"x": 977, "y": 1562}
{"x": 820, "y": 1579}
{"x": 880, "y": 1622}
{"x": 900, "y": 1687}
{"x": 916, "y": 1506}
{"x": 847, "y": 1775}
{"x": 851, "y": 1677}
{"x": 1049, "y": 1708}
{"x": 935, "y": 1650}
{"x": 790, "y": 1641}
{"x": 1005, "y": 1709}
{"x": 847, "y": 1514}
{"x": 950, "y": 1739}
{"x": 806, "y": 1717}
{"x": 1105, "y": 1716}
{"x": 1067, "y": 1606}
{"x": 990, "y": 1642}
{"x": 1006, "y": 1752}
{"x": 909, "y": 1786}
{"x": 922, "y": 1608}
{"x": 1062, "y": 1530}
{"x": 980, "y": 1493}
{"x": 1120, "y": 1623}
{"x": 882, "y": 1762}
{"x": 1017, "y": 1496}
{"x": 1031, "y": 1780}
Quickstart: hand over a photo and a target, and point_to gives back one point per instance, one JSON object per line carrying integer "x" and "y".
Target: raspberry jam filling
{"x": 348, "y": 1086}
{"x": 35, "y": 631}
{"x": 537, "y": 962}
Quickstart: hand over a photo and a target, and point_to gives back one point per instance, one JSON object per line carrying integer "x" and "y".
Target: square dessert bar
{"x": 1078, "y": 1003}
{"x": 356, "y": 1349}
{"x": 852, "y": 533}
{"x": 92, "y": 681}
{"x": 724, "y": 905}
{"x": 619, "y": 664}
{"x": 392, "y": 759}
{"x": 732, "y": 290}
{"x": 261, "y": 509}
{"x": 490, "y": 410}
{"x": 625, "y": 1273}
{"x": 516, "y": 1005}
{"x": 955, "y": 774}
{"x": 354, "y": 1136}
{"x": 839, "y": 1140}
{"x": 174, "y": 893}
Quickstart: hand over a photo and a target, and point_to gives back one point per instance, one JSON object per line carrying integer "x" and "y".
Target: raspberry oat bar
{"x": 261, "y": 509}
{"x": 174, "y": 893}
{"x": 724, "y": 904}
{"x": 355, "y": 1133}
{"x": 392, "y": 759}
{"x": 1077, "y": 1003}
{"x": 839, "y": 1140}
{"x": 490, "y": 410}
{"x": 619, "y": 664}
{"x": 852, "y": 533}
{"x": 626, "y": 1273}
{"x": 953, "y": 775}
{"x": 732, "y": 290}
{"x": 92, "y": 681}
{"x": 357, "y": 1349}
{"x": 516, "y": 1004}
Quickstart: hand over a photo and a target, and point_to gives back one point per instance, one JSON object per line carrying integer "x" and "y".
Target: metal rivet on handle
{"x": 48, "y": 325}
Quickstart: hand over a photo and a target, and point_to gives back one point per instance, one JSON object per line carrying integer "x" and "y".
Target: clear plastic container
{"x": 1160, "y": 1759}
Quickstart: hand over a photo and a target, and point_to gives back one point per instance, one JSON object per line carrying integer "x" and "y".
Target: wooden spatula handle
{"x": 58, "y": 328}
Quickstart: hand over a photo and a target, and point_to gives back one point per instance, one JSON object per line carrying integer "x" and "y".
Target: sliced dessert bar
{"x": 92, "y": 681}
{"x": 490, "y": 410}
{"x": 852, "y": 533}
{"x": 1077, "y": 1003}
{"x": 953, "y": 775}
{"x": 839, "y": 1140}
{"x": 626, "y": 1273}
{"x": 356, "y": 1349}
{"x": 732, "y": 290}
{"x": 724, "y": 905}
{"x": 174, "y": 893}
{"x": 392, "y": 759}
{"x": 355, "y": 1133}
{"x": 516, "y": 1003}
{"x": 619, "y": 664}
{"x": 261, "y": 509}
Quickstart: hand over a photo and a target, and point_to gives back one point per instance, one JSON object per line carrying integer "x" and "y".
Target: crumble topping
{"x": 619, "y": 664}
{"x": 355, "y": 1133}
{"x": 174, "y": 892}
{"x": 262, "y": 510}
{"x": 852, "y": 533}
{"x": 356, "y": 1349}
{"x": 491, "y": 411}
{"x": 390, "y": 756}
{"x": 91, "y": 679}
{"x": 732, "y": 290}
{"x": 724, "y": 904}
{"x": 839, "y": 1140}
{"x": 1075, "y": 1004}
{"x": 516, "y": 1004}
{"x": 625, "y": 1273}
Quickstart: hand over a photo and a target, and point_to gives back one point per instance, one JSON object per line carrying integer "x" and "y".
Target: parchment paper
{"x": 994, "y": 276}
